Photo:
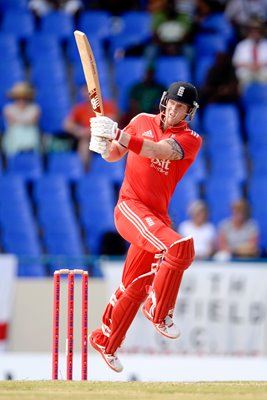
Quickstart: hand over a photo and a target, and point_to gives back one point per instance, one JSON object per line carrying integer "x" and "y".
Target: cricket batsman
{"x": 160, "y": 150}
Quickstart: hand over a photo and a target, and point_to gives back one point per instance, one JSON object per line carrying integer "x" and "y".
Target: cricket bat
{"x": 90, "y": 72}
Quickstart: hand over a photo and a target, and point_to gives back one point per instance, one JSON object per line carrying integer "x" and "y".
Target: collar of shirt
{"x": 172, "y": 129}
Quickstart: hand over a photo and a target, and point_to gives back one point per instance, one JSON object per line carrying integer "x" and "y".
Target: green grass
{"x": 76, "y": 390}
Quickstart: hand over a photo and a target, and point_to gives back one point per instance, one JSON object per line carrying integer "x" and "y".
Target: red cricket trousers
{"x": 147, "y": 234}
{"x": 150, "y": 238}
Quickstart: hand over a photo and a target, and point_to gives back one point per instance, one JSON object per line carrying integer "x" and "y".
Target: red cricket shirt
{"x": 153, "y": 181}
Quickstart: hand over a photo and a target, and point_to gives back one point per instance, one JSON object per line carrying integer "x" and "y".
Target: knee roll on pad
{"x": 168, "y": 279}
{"x": 181, "y": 253}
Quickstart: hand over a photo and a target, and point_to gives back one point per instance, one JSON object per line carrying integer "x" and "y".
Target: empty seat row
{"x": 30, "y": 166}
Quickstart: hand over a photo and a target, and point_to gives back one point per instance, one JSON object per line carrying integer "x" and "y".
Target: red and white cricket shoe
{"x": 112, "y": 360}
{"x": 166, "y": 328}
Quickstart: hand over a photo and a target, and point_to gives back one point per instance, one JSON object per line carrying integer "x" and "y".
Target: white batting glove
{"x": 100, "y": 145}
{"x": 104, "y": 127}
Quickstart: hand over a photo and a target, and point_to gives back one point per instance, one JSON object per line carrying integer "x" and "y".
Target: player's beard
{"x": 172, "y": 120}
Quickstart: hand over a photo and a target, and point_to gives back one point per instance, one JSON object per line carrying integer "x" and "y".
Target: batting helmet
{"x": 184, "y": 93}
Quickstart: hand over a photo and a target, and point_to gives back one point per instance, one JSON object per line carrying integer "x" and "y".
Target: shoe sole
{"x": 99, "y": 350}
{"x": 145, "y": 313}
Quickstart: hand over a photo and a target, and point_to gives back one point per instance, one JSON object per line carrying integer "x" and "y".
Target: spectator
{"x": 21, "y": 118}
{"x": 250, "y": 55}
{"x": 240, "y": 12}
{"x": 171, "y": 29}
{"x": 77, "y": 123}
{"x": 221, "y": 84}
{"x": 144, "y": 96}
{"x": 41, "y": 8}
{"x": 238, "y": 236}
{"x": 202, "y": 231}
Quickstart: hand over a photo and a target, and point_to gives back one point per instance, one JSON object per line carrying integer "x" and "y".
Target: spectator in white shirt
{"x": 203, "y": 231}
{"x": 250, "y": 56}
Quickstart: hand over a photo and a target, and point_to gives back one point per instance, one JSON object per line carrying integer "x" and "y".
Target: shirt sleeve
{"x": 131, "y": 128}
{"x": 190, "y": 144}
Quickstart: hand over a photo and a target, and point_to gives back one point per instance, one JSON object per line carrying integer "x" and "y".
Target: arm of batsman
{"x": 105, "y": 127}
{"x": 100, "y": 145}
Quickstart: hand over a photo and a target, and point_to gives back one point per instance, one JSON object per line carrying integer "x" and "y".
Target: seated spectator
{"x": 250, "y": 55}
{"x": 41, "y": 8}
{"x": 144, "y": 96}
{"x": 203, "y": 231}
{"x": 221, "y": 84}
{"x": 171, "y": 28}
{"x": 238, "y": 236}
{"x": 21, "y": 117}
{"x": 77, "y": 123}
{"x": 240, "y": 12}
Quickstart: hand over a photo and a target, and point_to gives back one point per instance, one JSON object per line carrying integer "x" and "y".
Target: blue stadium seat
{"x": 96, "y": 200}
{"x": 95, "y": 24}
{"x": 19, "y": 22}
{"x": 56, "y": 215}
{"x": 201, "y": 70}
{"x": 257, "y": 195}
{"x": 14, "y": 5}
{"x": 43, "y": 46}
{"x": 15, "y": 209}
{"x": 50, "y": 188}
{"x": 96, "y": 219}
{"x": 137, "y": 21}
{"x": 95, "y": 190}
{"x": 11, "y": 72}
{"x": 255, "y": 124}
{"x": 67, "y": 164}
{"x": 50, "y": 73}
{"x": 127, "y": 72}
{"x": 258, "y": 160}
{"x": 28, "y": 165}
{"x": 186, "y": 191}
{"x": 66, "y": 243}
{"x": 198, "y": 170}
{"x": 254, "y": 94}
{"x": 27, "y": 247}
{"x": 9, "y": 48}
{"x": 135, "y": 30}
{"x": 59, "y": 24}
{"x": 16, "y": 214}
{"x": 114, "y": 172}
{"x": 209, "y": 44}
{"x": 53, "y": 112}
{"x": 11, "y": 187}
{"x": 234, "y": 168}
{"x": 220, "y": 193}
{"x": 172, "y": 69}
{"x": 18, "y": 225}
{"x": 218, "y": 23}
{"x": 221, "y": 119}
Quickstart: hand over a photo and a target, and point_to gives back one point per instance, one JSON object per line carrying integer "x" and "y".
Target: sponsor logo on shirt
{"x": 148, "y": 134}
{"x": 160, "y": 165}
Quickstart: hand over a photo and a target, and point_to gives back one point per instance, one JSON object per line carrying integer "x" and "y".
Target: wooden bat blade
{"x": 90, "y": 71}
